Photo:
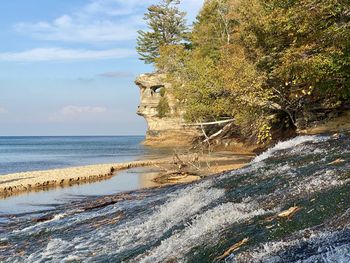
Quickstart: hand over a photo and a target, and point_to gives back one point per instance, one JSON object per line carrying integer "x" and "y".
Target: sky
{"x": 67, "y": 67}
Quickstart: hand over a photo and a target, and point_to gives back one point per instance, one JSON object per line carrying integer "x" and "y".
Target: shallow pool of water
{"x": 123, "y": 181}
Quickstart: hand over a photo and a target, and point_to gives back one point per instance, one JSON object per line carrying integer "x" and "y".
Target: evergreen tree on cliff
{"x": 167, "y": 26}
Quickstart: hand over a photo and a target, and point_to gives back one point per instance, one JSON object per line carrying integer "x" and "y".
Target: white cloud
{"x": 3, "y": 110}
{"x": 74, "y": 113}
{"x": 63, "y": 21}
{"x": 61, "y": 54}
{"x": 77, "y": 110}
{"x": 116, "y": 74}
{"x": 67, "y": 31}
{"x": 99, "y": 21}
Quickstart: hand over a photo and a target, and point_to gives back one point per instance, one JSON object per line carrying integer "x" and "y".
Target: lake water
{"x": 20, "y": 154}
{"x": 205, "y": 221}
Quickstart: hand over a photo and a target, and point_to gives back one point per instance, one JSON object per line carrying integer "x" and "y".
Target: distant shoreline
{"x": 63, "y": 136}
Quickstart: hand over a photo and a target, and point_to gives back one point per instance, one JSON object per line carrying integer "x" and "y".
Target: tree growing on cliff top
{"x": 167, "y": 26}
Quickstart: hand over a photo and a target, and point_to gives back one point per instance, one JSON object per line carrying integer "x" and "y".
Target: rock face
{"x": 167, "y": 129}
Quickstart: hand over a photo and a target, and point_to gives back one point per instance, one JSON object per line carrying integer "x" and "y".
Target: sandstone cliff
{"x": 166, "y": 125}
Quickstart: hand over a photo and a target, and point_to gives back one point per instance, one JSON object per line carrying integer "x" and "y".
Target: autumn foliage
{"x": 269, "y": 64}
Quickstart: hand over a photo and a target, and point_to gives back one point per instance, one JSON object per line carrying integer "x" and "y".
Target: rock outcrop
{"x": 165, "y": 128}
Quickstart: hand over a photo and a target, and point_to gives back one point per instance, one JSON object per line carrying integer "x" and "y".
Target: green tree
{"x": 302, "y": 47}
{"x": 194, "y": 72}
{"x": 163, "y": 107}
{"x": 167, "y": 26}
{"x": 270, "y": 65}
{"x": 212, "y": 28}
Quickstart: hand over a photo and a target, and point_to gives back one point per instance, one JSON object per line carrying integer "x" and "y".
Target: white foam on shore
{"x": 54, "y": 219}
{"x": 55, "y": 252}
{"x": 202, "y": 230}
{"x": 328, "y": 250}
{"x": 142, "y": 230}
{"x": 318, "y": 182}
{"x": 180, "y": 207}
{"x": 266, "y": 250}
{"x": 286, "y": 145}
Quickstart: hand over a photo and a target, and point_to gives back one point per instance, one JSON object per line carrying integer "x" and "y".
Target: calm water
{"x": 35, "y": 202}
{"x": 19, "y": 154}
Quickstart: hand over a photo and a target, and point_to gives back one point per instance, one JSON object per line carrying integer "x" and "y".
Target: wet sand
{"x": 13, "y": 184}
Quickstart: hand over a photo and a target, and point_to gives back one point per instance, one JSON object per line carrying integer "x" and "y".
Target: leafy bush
{"x": 163, "y": 107}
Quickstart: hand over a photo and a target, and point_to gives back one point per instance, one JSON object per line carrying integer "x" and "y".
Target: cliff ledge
{"x": 166, "y": 125}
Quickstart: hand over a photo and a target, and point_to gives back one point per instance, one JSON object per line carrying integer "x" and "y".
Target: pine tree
{"x": 167, "y": 26}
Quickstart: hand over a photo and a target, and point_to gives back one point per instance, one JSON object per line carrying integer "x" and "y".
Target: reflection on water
{"x": 123, "y": 181}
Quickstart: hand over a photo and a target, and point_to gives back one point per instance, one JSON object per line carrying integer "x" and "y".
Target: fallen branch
{"x": 215, "y": 135}
{"x": 184, "y": 164}
{"x": 209, "y": 123}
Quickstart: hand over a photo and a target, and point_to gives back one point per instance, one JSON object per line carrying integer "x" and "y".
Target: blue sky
{"x": 67, "y": 66}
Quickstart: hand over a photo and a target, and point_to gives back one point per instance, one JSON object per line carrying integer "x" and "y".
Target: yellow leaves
{"x": 264, "y": 134}
{"x": 302, "y": 92}
{"x": 311, "y": 89}
{"x": 307, "y": 92}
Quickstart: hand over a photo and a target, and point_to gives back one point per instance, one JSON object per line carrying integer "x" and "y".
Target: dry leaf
{"x": 233, "y": 248}
{"x": 290, "y": 212}
{"x": 338, "y": 161}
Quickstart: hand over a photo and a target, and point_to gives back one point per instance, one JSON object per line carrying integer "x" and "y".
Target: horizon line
{"x": 132, "y": 135}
